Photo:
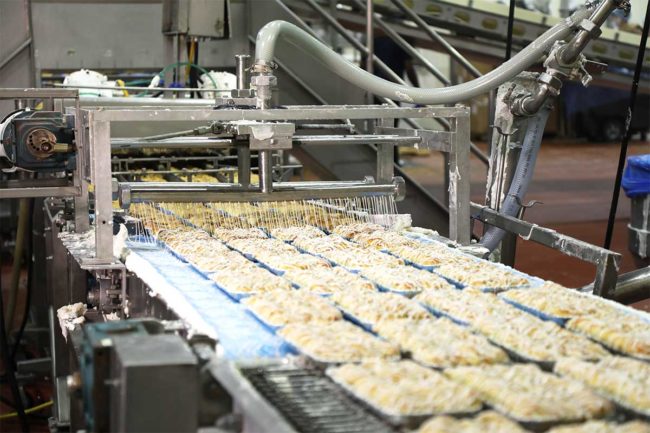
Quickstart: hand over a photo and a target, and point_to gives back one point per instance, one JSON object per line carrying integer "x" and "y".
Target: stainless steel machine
{"x": 175, "y": 367}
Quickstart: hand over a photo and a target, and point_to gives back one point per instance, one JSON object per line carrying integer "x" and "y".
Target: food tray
{"x": 439, "y": 313}
{"x": 562, "y": 320}
{"x": 532, "y": 281}
{"x": 237, "y": 296}
{"x": 408, "y": 262}
{"x": 627, "y": 411}
{"x": 407, "y": 293}
{"x": 333, "y": 263}
{"x": 309, "y": 361}
{"x": 410, "y": 421}
{"x": 538, "y": 425}
{"x": 518, "y": 357}
{"x": 512, "y": 354}
{"x": 539, "y": 314}
{"x": 269, "y": 326}
{"x": 183, "y": 259}
{"x": 366, "y": 326}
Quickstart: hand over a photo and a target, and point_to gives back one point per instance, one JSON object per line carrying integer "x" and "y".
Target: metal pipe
{"x": 242, "y": 63}
{"x": 511, "y": 22}
{"x": 12, "y": 55}
{"x": 265, "y": 164}
{"x": 370, "y": 34}
{"x": 632, "y": 284}
{"x": 274, "y": 31}
{"x": 183, "y": 143}
{"x": 437, "y": 38}
{"x": 143, "y": 89}
{"x": 135, "y": 192}
{"x": 572, "y": 50}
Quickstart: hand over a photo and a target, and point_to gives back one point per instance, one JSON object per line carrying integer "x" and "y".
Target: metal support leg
{"x": 606, "y": 276}
{"x": 244, "y": 165}
{"x": 459, "y": 194}
{"x": 386, "y": 156}
{"x": 81, "y": 210}
{"x": 100, "y": 143}
{"x": 265, "y": 163}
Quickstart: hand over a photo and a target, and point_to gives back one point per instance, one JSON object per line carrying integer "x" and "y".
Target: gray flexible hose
{"x": 522, "y": 177}
{"x": 270, "y": 34}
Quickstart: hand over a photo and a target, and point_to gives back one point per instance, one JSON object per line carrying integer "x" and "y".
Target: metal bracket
{"x": 434, "y": 140}
{"x": 264, "y": 135}
{"x": 606, "y": 261}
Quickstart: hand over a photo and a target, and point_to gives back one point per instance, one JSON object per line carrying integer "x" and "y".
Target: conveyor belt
{"x": 199, "y": 302}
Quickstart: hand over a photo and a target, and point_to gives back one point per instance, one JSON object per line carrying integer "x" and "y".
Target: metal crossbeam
{"x": 607, "y": 262}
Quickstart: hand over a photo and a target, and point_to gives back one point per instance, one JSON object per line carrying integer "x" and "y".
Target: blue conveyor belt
{"x": 241, "y": 336}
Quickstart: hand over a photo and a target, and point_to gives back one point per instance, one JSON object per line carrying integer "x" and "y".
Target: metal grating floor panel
{"x": 311, "y": 402}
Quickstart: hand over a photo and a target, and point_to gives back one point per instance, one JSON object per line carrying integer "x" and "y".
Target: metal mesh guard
{"x": 311, "y": 402}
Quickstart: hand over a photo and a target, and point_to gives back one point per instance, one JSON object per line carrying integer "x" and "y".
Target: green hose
{"x": 21, "y": 234}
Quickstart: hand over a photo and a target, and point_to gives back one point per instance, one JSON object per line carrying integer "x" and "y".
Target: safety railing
{"x": 399, "y": 40}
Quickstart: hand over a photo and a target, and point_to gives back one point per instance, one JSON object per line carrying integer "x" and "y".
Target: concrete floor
{"x": 574, "y": 180}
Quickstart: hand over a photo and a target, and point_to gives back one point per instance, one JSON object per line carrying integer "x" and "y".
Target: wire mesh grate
{"x": 311, "y": 402}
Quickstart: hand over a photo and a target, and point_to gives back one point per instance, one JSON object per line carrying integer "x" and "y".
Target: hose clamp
{"x": 263, "y": 67}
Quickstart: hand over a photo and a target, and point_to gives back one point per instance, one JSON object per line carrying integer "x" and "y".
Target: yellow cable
{"x": 27, "y": 411}
{"x": 120, "y": 83}
{"x": 190, "y": 57}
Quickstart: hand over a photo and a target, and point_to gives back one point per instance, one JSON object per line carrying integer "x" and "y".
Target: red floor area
{"x": 574, "y": 180}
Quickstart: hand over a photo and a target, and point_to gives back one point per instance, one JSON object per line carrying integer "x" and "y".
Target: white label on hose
{"x": 403, "y": 96}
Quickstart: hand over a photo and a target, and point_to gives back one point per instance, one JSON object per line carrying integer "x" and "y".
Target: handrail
{"x": 361, "y": 48}
{"x": 422, "y": 25}
{"x": 408, "y": 48}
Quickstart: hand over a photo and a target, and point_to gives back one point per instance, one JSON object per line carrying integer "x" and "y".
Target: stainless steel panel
{"x": 118, "y": 35}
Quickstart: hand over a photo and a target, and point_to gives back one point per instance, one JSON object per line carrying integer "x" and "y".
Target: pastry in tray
{"x": 359, "y": 258}
{"x": 558, "y": 301}
{"x": 428, "y": 254}
{"x": 621, "y": 379}
{"x": 249, "y": 281}
{"x": 291, "y": 233}
{"x": 260, "y": 248}
{"x": 324, "y": 244}
{"x": 279, "y": 308}
{"x": 604, "y": 427}
{"x": 349, "y": 231}
{"x": 229, "y": 261}
{"x": 467, "y": 305}
{"x": 383, "y": 240}
{"x": 509, "y": 327}
{"x": 485, "y": 422}
{"x": 326, "y": 281}
{"x": 525, "y": 393}
{"x": 294, "y": 262}
{"x": 440, "y": 343}
{"x": 404, "y": 278}
{"x": 337, "y": 342}
{"x": 228, "y": 235}
{"x": 404, "y": 388}
{"x": 374, "y": 307}
{"x": 537, "y": 340}
{"x": 626, "y": 333}
{"x": 481, "y": 274}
